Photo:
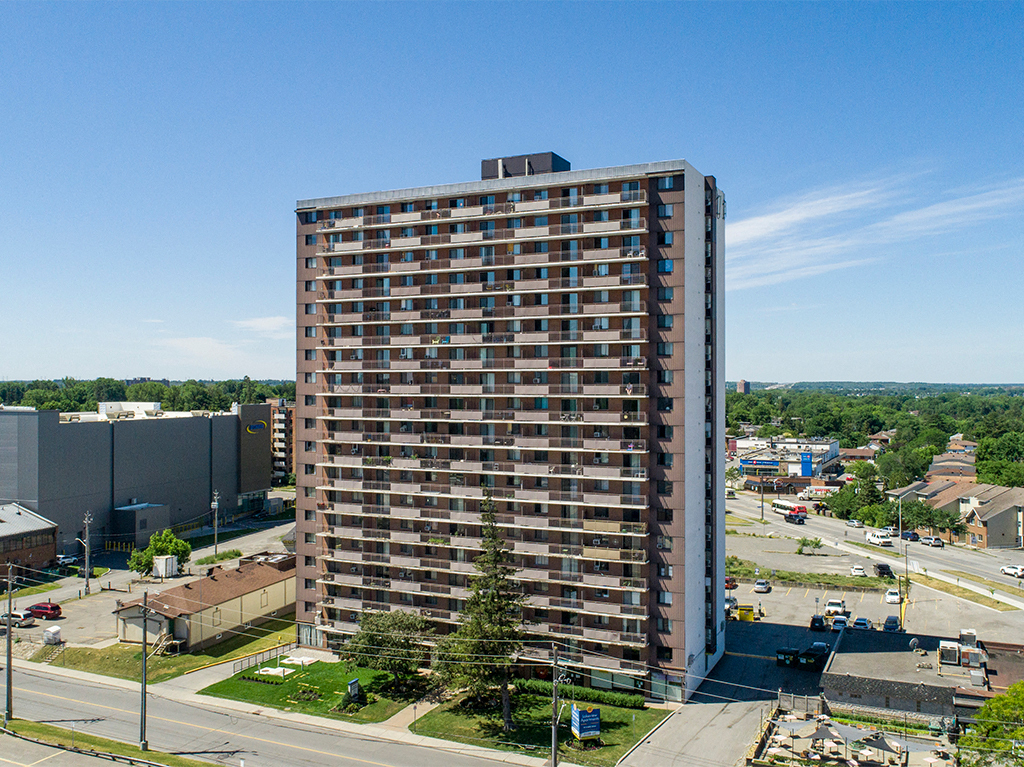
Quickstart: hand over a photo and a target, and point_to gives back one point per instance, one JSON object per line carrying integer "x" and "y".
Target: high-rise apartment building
{"x": 282, "y": 414}
{"x": 548, "y": 336}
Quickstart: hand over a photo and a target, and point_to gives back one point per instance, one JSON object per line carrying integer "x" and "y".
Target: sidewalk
{"x": 391, "y": 730}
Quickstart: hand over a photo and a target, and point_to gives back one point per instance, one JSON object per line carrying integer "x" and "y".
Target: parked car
{"x": 19, "y": 618}
{"x": 893, "y": 597}
{"x": 1015, "y": 570}
{"x": 731, "y": 603}
{"x": 910, "y": 535}
{"x": 839, "y": 622}
{"x": 863, "y": 623}
{"x": 762, "y": 587}
{"x": 730, "y": 582}
{"x": 857, "y": 570}
{"x": 67, "y": 559}
{"x": 45, "y": 610}
{"x": 854, "y": 523}
{"x": 835, "y": 607}
{"x": 890, "y": 531}
{"x": 818, "y": 623}
{"x": 882, "y": 570}
{"x": 931, "y": 540}
{"x": 892, "y": 623}
{"x": 814, "y": 656}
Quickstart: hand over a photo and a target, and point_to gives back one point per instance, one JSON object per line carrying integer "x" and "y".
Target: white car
{"x": 890, "y": 531}
{"x": 835, "y": 607}
{"x": 1015, "y": 570}
{"x": 67, "y": 559}
{"x": 857, "y": 570}
{"x": 893, "y": 597}
{"x": 762, "y": 587}
{"x": 839, "y": 623}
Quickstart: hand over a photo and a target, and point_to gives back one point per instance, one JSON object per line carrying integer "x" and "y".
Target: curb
{"x": 86, "y": 751}
{"x": 649, "y": 733}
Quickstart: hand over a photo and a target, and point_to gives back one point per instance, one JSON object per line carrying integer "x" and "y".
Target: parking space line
{"x": 788, "y": 590}
{"x": 807, "y": 593}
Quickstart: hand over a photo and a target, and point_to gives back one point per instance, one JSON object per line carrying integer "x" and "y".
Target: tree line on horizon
{"x": 71, "y": 395}
{"x": 922, "y": 425}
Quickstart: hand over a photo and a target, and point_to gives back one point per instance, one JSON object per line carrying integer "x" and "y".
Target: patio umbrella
{"x": 774, "y": 750}
{"x": 880, "y": 743}
{"x": 866, "y": 752}
{"x": 821, "y": 732}
{"x": 932, "y": 759}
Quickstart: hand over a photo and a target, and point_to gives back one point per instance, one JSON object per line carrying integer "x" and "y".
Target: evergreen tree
{"x": 479, "y": 655}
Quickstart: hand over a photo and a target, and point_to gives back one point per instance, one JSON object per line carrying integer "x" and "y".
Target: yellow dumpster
{"x": 745, "y": 613}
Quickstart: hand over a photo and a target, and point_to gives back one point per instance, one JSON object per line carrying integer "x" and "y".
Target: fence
{"x": 806, "y": 704}
{"x": 260, "y": 657}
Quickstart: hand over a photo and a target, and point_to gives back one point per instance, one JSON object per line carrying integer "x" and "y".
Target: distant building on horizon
{"x": 743, "y": 387}
{"x": 133, "y": 381}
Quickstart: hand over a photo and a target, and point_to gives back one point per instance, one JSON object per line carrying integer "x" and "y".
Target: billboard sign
{"x": 586, "y": 723}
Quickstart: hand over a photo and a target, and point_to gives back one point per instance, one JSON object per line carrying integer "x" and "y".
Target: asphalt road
{"x": 983, "y": 564}
{"x": 204, "y": 732}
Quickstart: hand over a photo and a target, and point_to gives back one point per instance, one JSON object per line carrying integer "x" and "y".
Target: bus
{"x": 788, "y": 507}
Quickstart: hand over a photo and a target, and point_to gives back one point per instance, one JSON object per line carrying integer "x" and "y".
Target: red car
{"x": 46, "y": 610}
{"x": 730, "y": 582}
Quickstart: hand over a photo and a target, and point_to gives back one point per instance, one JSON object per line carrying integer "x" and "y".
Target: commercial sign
{"x": 586, "y": 723}
{"x": 256, "y": 426}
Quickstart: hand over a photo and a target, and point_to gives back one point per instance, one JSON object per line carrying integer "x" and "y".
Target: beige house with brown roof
{"x": 211, "y": 609}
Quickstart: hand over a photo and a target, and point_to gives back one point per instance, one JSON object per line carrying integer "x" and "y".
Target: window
{"x": 665, "y": 515}
{"x": 310, "y": 354}
{"x": 664, "y": 266}
{"x": 665, "y": 349}
{"x": 664, "y": 431}
{"x": 309, "y": 423}
{"x": 408, "y": 207}
{"x": 665, "y": 211}
{"x": 600, "y": 189}
{"x": 309, "y": 378}
{"x": 601, "y": 593}
{"x": 308, "y": 468}
{"x": 664, "y": 238}
{"x": 665, "y": 294}
{"x": 540, "y": 194}
{"x": 310, "y": 332}
{"x": 665, "y": 404}
{"x": 309, "y": 286}
{"x": 311, "y": 263}
{"x": 601, "y": 296}
{"x": 664, "y": 320}
{"x": 664, "y": 571}
{"x": 664, "y": 597}
{"x": 540, "y": 221}
{"x": 664, "y": 653}
{"x": 309, "y": 217}
{"x": 600, "y": 215}
{"x": 664, "y": 625}
{"x": 407, "y": 231}
{"x": 309, "y": 446}
{"x": 666, "y": 182}
{"x": 602, "y": 242}
{"x": 665, "y": 459}
{"x": 666, "y": 376}
{"x": 309, "y": 400}
{"x": 310, "y": 308}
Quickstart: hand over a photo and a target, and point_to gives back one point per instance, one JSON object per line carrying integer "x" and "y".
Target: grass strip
{"x": 30, "y": 590}
{"x": 124, "y": 661}
{"x": 732, "y": 519}
{"x": 223, "y": 536}
{"x": 220, "y": 557}
{"x": 962, "y": 593}
{"x": 1017, "y": 592}
{"x": 62, "y": 737}
{"x": 742, "y": 568}
{"x": 460, "y": 721}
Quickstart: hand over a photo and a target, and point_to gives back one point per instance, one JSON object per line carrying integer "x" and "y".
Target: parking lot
{"x": 928, "y": 611}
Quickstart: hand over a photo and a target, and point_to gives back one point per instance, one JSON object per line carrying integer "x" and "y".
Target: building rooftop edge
{"x": 497, "y": 184}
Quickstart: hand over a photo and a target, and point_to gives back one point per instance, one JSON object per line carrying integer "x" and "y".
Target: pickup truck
{"x": 835, "y": 607}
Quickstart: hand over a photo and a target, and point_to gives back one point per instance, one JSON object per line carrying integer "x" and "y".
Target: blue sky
{"x": 151, "y": 155}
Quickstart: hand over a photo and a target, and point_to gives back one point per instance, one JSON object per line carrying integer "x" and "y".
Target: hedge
{"x": 567, "y": 691}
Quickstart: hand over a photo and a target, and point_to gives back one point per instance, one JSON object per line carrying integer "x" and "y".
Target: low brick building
{"x": 27, "y": 540}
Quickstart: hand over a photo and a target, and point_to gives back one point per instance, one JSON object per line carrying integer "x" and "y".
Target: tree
{"x": 390, "y": 642}
{"x": 998, "y": 728}
{"x": 160, "y": 544}
{"x": 479, "y": 655}
{"x": 732, "y": 476}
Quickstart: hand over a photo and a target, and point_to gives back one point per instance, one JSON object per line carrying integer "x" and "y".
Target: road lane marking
{"x": 208, "y": 730}
{"x": 749, "y": 655}
{"x": 40, "y": 761}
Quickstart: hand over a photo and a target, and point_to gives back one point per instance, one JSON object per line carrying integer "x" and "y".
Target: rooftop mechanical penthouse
{"x": 554, "y": 337}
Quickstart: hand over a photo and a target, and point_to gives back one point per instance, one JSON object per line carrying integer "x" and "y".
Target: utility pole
{"x": 554, "y": 705}
{"x": 215, "y": 506}
{"x": 88, "y": 563}
{"x": 143, "y": 744}
{"x": 9, "y": 711}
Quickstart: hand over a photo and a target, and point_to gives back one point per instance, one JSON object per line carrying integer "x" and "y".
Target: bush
{"x": 566, "y": 691}
{"x": 219, "y": 557}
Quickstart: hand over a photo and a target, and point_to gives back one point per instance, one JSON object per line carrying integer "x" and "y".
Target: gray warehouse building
{"x": 137, "y": 468}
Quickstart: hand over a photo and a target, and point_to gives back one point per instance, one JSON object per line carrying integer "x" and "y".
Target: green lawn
{"x": 962, "y": 593}
{"x": 219, "y": 557}
{"x": 732, "y": 519}
{"x": 459, "y": 721}
{"x": 1013, "y": 590}
{"x": 319, "y": 689}
{"x": 60, "y": 736}
{"x": 125, "y": 660}
{"x": 742, "y": 568}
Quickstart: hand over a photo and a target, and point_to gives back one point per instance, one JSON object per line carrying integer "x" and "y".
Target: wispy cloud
{"x": 838, "y": 228}
{"x": 274, "y": 328}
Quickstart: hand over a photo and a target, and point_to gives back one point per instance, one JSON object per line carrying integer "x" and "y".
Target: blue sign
{"x": 256, "y": 426}
{"x": 586, "y": 723}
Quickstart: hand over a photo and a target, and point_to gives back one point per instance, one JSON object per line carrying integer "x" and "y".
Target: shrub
{"x": 566, "y": 691}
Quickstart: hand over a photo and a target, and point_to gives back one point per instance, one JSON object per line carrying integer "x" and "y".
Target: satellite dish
{"x": 914, "y": 643}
